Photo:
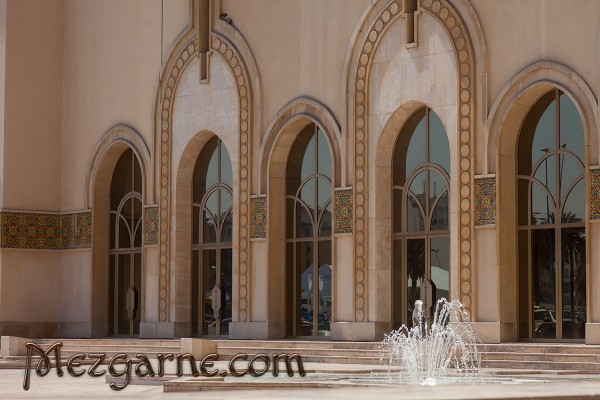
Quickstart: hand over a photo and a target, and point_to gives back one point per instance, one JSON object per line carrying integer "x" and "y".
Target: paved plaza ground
{"x": 529, "y": 387}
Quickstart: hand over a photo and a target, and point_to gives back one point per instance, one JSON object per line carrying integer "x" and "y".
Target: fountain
{"x": 437, "y": 349}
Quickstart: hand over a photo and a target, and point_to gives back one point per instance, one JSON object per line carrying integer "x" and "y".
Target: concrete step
{"x": 541, "y": 348}
{"x": 542, "y": 365}
{"x": 506, "y": 356}
{"x": 559, "y": 357}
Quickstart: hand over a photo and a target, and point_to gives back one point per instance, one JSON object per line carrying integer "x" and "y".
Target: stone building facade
{"x": 269, "y": 169}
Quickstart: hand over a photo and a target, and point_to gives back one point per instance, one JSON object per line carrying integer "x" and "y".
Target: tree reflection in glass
{"x": 551, "y": 170}
{"x": 309, "y": 229}
{"x": 421, "y": 171}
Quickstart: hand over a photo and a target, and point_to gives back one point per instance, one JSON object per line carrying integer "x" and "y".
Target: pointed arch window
{"x": 309, "y": 191}
{"x": 551, "y": 221}
{"x": 211, "y": 240}
{"x": 421, "y": 235}
{"x": 125, "y": 246}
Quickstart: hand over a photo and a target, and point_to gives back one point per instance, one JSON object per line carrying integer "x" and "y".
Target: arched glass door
{"x": 309, "y": 190}
{"x": 125, "y": 253}
{"x": 211, "y": 241}
{"x": 551, "y": 221}
{"x": 421, "y": 235}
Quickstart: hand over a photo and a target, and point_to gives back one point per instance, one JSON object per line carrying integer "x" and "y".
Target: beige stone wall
{"x": 71, "y": 70}
{"x": 286, "y": 39}
{"x": 32, "y": 107}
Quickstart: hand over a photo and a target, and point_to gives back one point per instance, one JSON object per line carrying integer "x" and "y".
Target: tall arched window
{"x": 551, "y": 219}
{"x": 421, "y": 235}
{"x": 211, "y": 241}
{"x": 125, "y": 246}
{"x": 308, "y": 227}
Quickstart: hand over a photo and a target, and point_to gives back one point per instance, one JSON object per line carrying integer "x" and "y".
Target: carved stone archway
{"x": 373, "y": 29}
{"x": 183, "y": 53}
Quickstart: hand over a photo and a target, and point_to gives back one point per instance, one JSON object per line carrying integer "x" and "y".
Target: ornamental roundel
{"x": 456, "y": 28}
{"x": 222, "y": 46}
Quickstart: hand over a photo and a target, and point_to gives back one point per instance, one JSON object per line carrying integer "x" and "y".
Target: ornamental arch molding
{"x": 297, "y": 112}
{"x": 231, "y": 47}
{"x": 112, "y": 144}
{"x": 369, "y": 36}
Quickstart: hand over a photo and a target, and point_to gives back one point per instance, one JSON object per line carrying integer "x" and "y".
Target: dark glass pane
{"x": 574, "y": 208}
{"x": 573, "y": 285}
{"x": 437, "y": 184}
{"x": 325, "y": 283}
{"x": 195, "y": 225}
{"x": 397, "y": 289}
{"x": 545, "y": 134}
{"x": 212, "y": 171}
{"x": 544, "y": 283}
{"x": 308, "y": 161}
{"x": 325, "y": 224}
{"x": 523, "y": 204}
{"x": 227, "y": 228}
{"x": 210, "y": 229}
{"x": 122, "y": 179}
{"x": 226, "y": 288}
{"x": 123, "y": 282}
{"x": 137, "y": 209}
{"x": 416, "y": 152}
{"x": 439, "y": 149}
{"x": 137, "y": 222}
{"x": 305, "y": 275}
{"x": 546, "y": 174}
{"x": 138, "y": 234}
{"x": 570, "y": 170}
{"x": 415, "y": 268}
{"x": 397, "y": 210}
{"x": 414, "y": 216}
{"x": 292, "y": 287}
{"x": 524, "y": 286}
{"x": 111, "y": 294}
{"x": 226, "y": 203}
{"x": 304, "y": 223}
{"x": 226, "y": 174}
{"x": 417, "y": 186}
{"x": 439, "y": 219}
{"x": 212, "y": 203}
{"x": 208, "y": 271}
{"x": 324, "y": 160}
{"x": 307, "y": 193}
{"x": 571, "y": 127}
{"x": 323, "y": 192}
{"x": 197, "y": 317}
{"x": 137, "y": 279}
{"x": 289, "y": 221}
{"x": 113, "y": 235}
{"x": 124, "y": 234}
{"x": 542, "y": 207}
{"x": 440, "y": 266}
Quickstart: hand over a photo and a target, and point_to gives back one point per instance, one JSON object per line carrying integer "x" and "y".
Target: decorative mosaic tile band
{"x": 343, "y": 211}
{"x": 485, "y": 201}
{"x": 258, "y": 227}
{"x": 151, "y": 225}
{"x": 595, "y": 193}
{"x": 25, "y": 230}
{"x": 76, "y": 230}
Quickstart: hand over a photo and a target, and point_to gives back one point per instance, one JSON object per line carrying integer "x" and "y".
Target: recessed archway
{"x": 507, "y": 116}
{"x": 110, "y": 148}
